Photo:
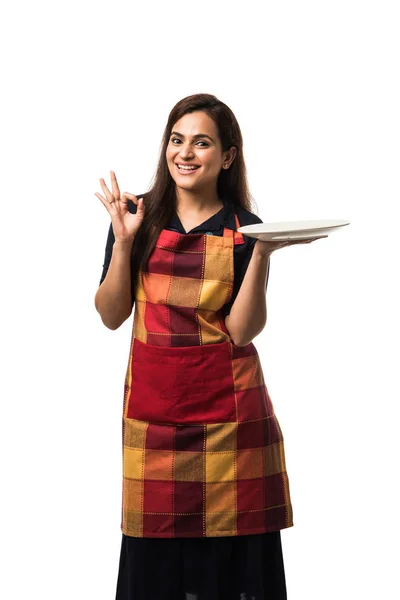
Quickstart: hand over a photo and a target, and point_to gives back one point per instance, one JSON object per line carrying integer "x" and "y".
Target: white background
{"x": 87, "y": 87}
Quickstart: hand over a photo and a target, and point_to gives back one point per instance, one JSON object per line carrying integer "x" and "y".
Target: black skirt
{"x": 248, "y": 567}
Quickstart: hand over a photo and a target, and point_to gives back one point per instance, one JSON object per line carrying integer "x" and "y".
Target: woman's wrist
{"x": 262, "y": 249}
{"x": 123, "y": 244}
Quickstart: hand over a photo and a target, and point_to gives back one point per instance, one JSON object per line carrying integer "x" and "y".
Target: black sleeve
{"x": 109, "y": 245}
{"x": 108, "y": 253}
{"x": 242, "y": 256}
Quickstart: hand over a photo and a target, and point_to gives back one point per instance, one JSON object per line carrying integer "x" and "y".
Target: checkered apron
{"x": 203, "y": 452}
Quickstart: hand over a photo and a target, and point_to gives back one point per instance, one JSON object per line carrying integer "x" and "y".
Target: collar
{"x": 215, "y": 224}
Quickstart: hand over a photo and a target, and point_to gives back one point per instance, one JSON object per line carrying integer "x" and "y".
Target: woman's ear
{"x": 229, "y": 157}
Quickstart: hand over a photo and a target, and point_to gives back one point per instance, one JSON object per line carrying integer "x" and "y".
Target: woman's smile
{"x": 187, "y": 169}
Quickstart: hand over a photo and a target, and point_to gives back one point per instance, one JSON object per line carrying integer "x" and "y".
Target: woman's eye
{"x": 173, "y": 140}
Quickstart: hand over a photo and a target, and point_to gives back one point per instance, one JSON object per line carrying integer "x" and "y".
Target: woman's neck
{"x": 193, "y": 203}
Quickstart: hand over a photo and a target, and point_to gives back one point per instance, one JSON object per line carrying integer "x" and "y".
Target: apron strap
{"x": 238, "y": 237}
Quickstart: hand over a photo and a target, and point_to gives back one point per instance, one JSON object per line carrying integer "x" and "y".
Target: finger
{"x": 306, "y": 240}
{"x": 106, "y": 191}
{"x": 114, "y": 185}
{"x": 104, "y": 201}
{"x": 128, "y": 196}
{"x": 314, "y": 239}
{"x": 285, "y": 244}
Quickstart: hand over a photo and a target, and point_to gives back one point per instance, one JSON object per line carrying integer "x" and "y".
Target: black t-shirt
{"x": 215, "y": 226}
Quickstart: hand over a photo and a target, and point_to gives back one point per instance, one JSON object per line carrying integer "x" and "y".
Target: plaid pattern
{"x": 203, "y": 452}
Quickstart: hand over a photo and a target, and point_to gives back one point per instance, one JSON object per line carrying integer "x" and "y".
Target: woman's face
{"x": 194, "y": 141}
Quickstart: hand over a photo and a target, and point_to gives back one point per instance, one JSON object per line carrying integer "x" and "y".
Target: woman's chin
{"x": 188, "y": 185}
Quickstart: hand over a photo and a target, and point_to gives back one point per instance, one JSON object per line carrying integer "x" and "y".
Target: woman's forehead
{"x": 195, "y": 123}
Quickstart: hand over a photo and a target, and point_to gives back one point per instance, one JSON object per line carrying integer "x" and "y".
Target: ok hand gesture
{"x": 125, "y": 224}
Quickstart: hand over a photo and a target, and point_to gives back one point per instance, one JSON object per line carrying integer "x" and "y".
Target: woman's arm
{"x": 113, "y": 299}
{"x": 248, "y": 314}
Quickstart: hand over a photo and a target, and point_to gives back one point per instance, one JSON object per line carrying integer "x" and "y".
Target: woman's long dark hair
{"x": 160, "y": 200}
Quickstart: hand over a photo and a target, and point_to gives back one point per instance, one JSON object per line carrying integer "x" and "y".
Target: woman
{"x": 205, "y": 489}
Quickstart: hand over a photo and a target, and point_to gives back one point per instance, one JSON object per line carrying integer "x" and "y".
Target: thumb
{"x": 140, "y": 206}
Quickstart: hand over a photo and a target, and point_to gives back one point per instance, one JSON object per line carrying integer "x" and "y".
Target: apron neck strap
{"x": 238, "y": 237}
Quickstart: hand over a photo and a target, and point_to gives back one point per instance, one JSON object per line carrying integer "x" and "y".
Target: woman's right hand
{"x": 125, "y": 224}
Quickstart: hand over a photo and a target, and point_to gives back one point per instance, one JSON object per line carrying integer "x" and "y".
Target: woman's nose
{"x": 186, "y": 151}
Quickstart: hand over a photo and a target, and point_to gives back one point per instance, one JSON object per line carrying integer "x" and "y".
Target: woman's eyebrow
{"x": 198, "y": 135}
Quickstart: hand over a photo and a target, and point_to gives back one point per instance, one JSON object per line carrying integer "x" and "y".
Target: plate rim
{"x": 339, "y": 223}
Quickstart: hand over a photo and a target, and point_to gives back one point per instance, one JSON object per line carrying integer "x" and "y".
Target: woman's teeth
{"x": 184, "y": 168}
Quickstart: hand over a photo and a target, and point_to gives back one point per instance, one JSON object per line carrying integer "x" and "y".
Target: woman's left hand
{"x": 268, "y": 247}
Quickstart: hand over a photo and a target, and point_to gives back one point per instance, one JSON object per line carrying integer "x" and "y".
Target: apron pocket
{"x": 190, "y": 384}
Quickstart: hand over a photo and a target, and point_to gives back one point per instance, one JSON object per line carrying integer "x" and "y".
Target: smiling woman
{"x": 205, "y": 488}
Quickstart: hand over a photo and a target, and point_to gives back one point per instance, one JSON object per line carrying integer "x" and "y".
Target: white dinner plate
{"x": 292, "y": 230}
